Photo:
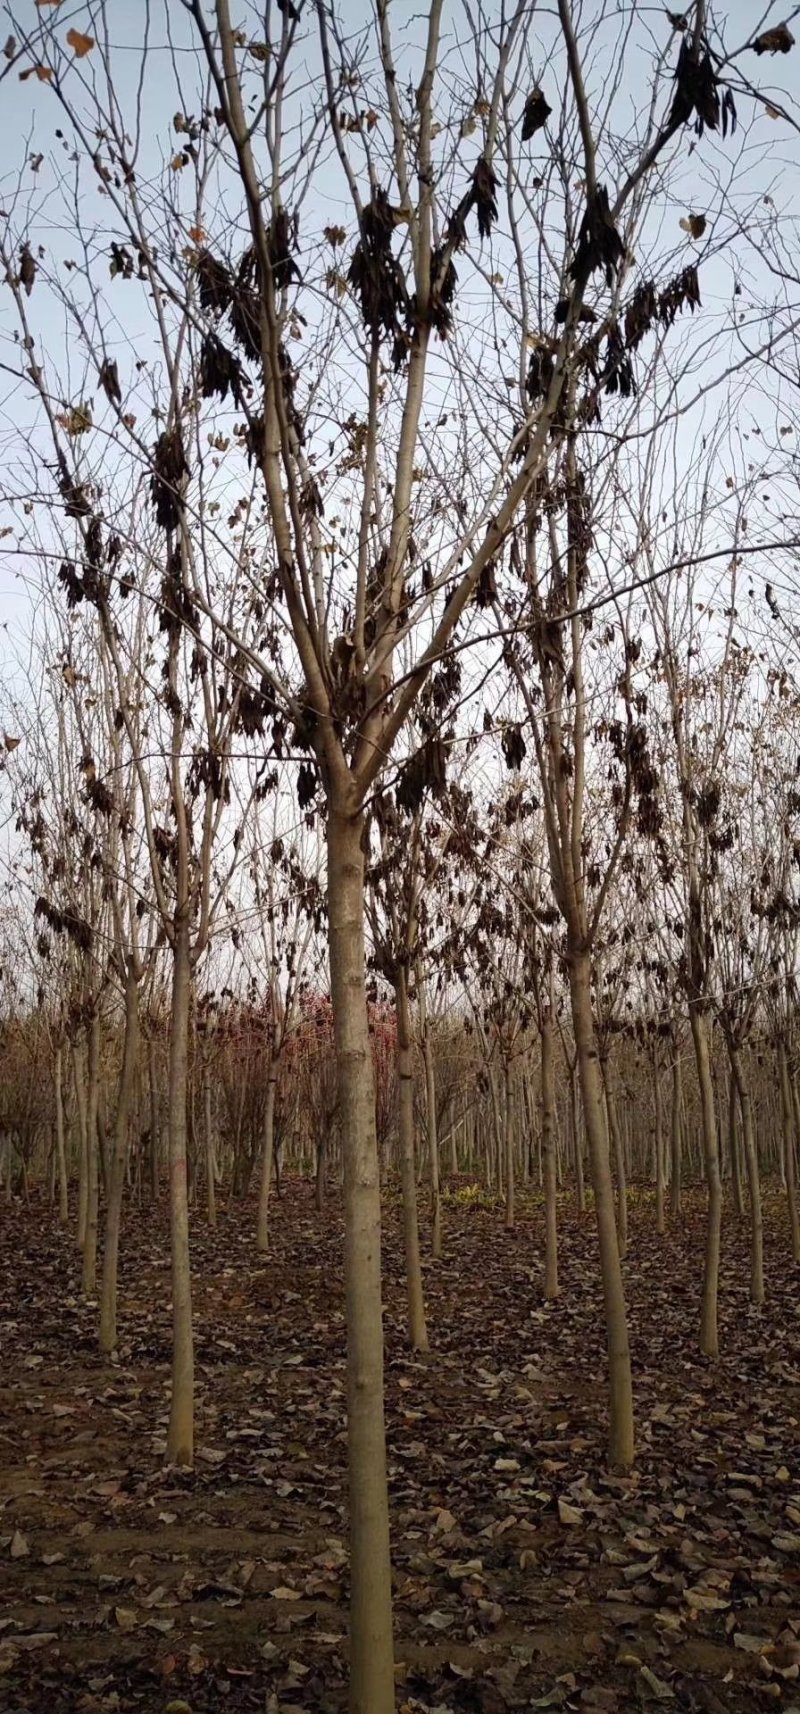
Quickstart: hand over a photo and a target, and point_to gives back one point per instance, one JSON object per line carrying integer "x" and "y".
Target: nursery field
{"x": 525, "y": 1574}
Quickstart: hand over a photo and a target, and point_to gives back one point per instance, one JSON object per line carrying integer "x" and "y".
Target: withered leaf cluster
{"x": 536, "y": 114}
{"x": 64, "y": 922}
{"x": 697, "y": 92}
{"x": 425, "y": 770}
{"x": 599, "y": 243}
{"x": 169, "y": 474}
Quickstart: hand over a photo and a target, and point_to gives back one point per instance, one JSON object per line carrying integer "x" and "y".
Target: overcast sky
{"x": 31, "y": 117}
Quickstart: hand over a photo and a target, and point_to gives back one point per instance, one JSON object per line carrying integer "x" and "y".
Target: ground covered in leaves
{"x": 526, "y": 1576}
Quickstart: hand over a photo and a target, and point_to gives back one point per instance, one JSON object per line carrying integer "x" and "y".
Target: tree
{"x": 349, "y": 635}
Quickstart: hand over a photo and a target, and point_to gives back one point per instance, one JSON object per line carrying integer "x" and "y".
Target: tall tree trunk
{"x": 615, "y": 1136}
{"x": 433, "y": 1123}
{"x": 372, "y": 1688}
{"x": 89, "y": 1273}
{"x": 81, "y": 1078}
{"x": 549, "y": 1159}
{"x": 417, "y": 1330}
{"x": 267, "y": 1152}
{"x": 508, "y": 1148}
{"x": 155, "y": 1117}
{"x": 208, "y": 1126}
{"x": 577, "y": 1140}
{"x": 753, "y": 1180}
{"x": 675, "y": 1134}
{"x": 733, "y": 1147}
{"x": 433, "y": 1142}
{"x": 621, "y": 1439}
{"x": 117, "y": 1164}
{"x": 50, "y": 1166}
{"x": 102, "y": 1143}
{"x": 321, "y": 1174}
{"x": 180, "y": 1434}
{"x": 61, "y": 1157}
{"x": 658, "y": 1143}
{"x": 495, "y": 1138}
{"x": 709, "y": 1333}
{"x": 787, "y": 1112}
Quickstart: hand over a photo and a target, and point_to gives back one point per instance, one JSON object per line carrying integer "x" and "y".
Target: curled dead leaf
{"x": 778, "y": 40}
{"x": 694, "y": 224}
{"x": 751, "y": 1644}
{"x": 79, "y": 43}
{"x": 653, "y": 1686}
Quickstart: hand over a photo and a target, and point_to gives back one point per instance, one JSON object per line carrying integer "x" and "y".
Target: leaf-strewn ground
{"x": 525, "y": 1575}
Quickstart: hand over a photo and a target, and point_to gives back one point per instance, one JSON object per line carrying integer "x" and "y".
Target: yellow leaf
{"x": 197, "y": 233}
{"x": 43, "y": 72}
{"x": 79, "y": 43}
{"x": 77, "y": 420}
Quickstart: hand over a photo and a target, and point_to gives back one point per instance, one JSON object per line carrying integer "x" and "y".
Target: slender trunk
{"x": 116, "y": 1166}
{"x": 621, "y": 1439}
{"x": 433, "y": 1126}
{"x": 180, "y": 1434}
{"x": 89, "y": 1275}
{"x": 454, "y": 1152}
{"x": 675, "y": 1135}
{"x": 508, "y": 1141}
{"x": 577, "y": 1140}
{"x": 753, "y": 1180}
{"x": 417, "y": 1330}
{"x": 494, "y": 1153}
{"x": 787, "y": 1111}
{"x": 211, "y": 1183}
{"x": 795, "y": 1099}
{"x": 733, "y": 1147}
{"x": 709, "y": 1333}
{"x": 61, "y": 1158}
{"x": 80, "y": 1075}
{"x": 549, "y": 1160}
{"x": 615, "y": 1137}
{"x": 102, "y": 1144}
{"x": 658, "y": 1144}
{"x": 433, "y": 1140}
{"x": 321, "y": 1174}
{"x": 155, "y": 1119}
{"x": 267, "y": 1151}
{"x": 372, "y": 1689}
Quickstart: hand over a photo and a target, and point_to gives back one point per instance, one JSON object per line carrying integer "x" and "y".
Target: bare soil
{"x": 526, "y": 1575}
